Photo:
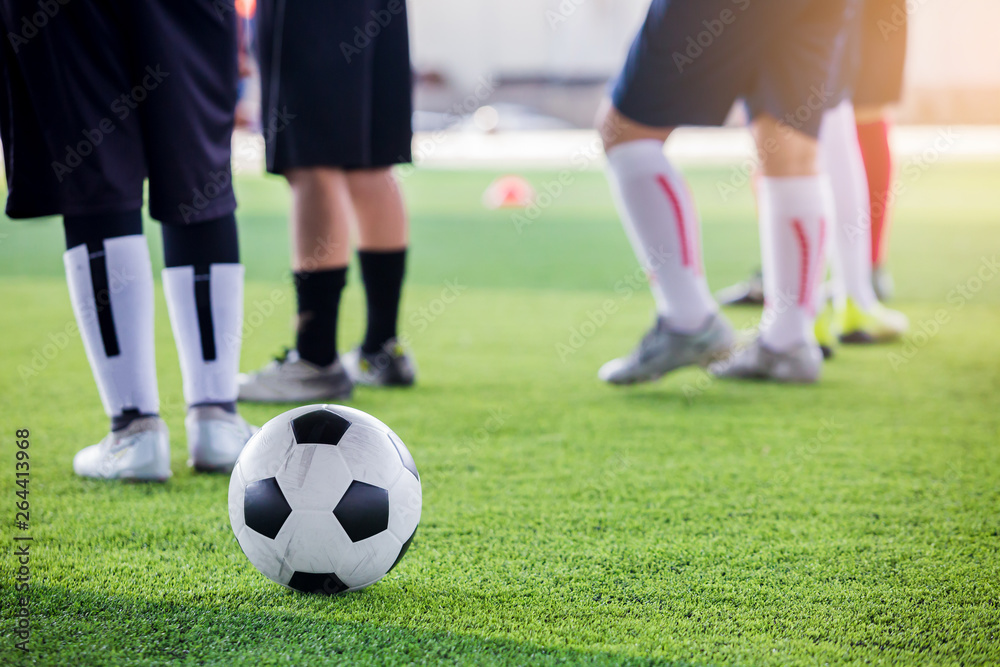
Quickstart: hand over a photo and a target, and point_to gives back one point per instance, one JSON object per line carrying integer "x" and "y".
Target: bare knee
{"x": 784, "y": 151}
{"x": 315, "y": 180}
{"x": 615, "y": 128}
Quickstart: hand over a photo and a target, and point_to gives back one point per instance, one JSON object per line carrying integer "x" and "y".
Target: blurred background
{"x": 552, "y": 58}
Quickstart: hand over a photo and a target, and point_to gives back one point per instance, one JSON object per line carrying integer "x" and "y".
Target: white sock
{"x": 851, "y": 243}
{"x": 794, "y": 215}
{"x": 126, "y": 379}
{"x": 660, "y": 219}
{"x": 207, "y": 380}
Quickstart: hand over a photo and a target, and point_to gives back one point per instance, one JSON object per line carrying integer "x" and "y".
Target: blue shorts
{"x": 336, "y": 83}
{"x": 693, "y": 59}
{"x": 96, "y": 96}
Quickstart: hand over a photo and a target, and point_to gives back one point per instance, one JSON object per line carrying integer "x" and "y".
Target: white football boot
{"x": 139, "y": 452}
{"x": 663, "y": 350}
{"x": 800, "y": 364}
{"x": 215, "y": 438}
{"x": 291, "y": 379}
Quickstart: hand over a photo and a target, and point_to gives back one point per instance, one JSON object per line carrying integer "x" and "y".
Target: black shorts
{"x": 336, "y": 83}
{"x": 882, "y": 37}
{"x": 98, "y": 95}
{"x": 693, "y": 58}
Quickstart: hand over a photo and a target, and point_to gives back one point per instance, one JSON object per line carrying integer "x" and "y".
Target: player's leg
{"x": 873, "y": 128}
{"x": 187, "y": 115}
{"x": 203, "y": 284}
{"x": 859, "y": 315}
{"x": 795, "y": 210}
{"x": 661, "y": 221}
{"x": 66, "y": 156}
{"x": 383, "y": 239}
{"x": 110, "y": 282}
{"x": 383, "y": 226}
{"x": 321, "y": 220}
{"x": 880, "y": 85}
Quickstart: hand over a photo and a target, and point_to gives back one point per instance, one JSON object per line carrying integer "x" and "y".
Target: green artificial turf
{"x": 688, "y": 522}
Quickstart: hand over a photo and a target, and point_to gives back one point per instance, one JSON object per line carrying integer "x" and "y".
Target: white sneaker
{"x": 663, "y": 350}
{"x": 800, "y": 364}
{"x": 291, "y": 379}
{"x": 215, "y": 438}
{"x": 138, "y": 452}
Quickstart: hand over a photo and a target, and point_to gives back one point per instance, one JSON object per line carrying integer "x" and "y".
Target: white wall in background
{"x": 953, "y": 42}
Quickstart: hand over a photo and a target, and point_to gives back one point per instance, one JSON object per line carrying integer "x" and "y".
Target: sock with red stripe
{"x": 794, "y": 212}
{"x": 850, "y": 240}
{"x": 659, "y": 216}
{"x": 874, "y": 141}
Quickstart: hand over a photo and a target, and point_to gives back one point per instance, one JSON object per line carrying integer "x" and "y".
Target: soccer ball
{"x": 325, "y": 499}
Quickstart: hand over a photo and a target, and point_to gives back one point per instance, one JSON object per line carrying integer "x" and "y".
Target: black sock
{"x": 202, "y": 244}
{"x": 383, "y": 275}
{"x": 318, "y": 295}
{"x": 228, "y": 406}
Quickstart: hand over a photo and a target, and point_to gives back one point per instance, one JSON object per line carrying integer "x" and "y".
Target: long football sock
{"x": 850, "y": 242}
{"x": 382, "y": 273}
{"x": 660, "y": 219}
{"x": 877, "y": 155}
{"x": 203, "y": 283}
{"x": 318, "y": 294}
{"x": 793, "y": 229}
{"x": 110, "y": 282}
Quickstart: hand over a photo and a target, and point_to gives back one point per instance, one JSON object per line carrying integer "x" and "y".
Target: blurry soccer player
{"x": 879, "y": 86}
{"x": 102, "y": 97}
{"x": 780, "y": 57}
{"x": 337, "y": 116}
{"x": 871, "y": 72}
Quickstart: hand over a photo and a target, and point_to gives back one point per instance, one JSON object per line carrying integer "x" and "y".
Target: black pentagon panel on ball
{"x": 313, "y": 582}
{"x": 319, "y": 427}
{"x": 406, "y": 545}
{"x": 404, "y": 455}
{"x": 265, "y": 509}
{"x": 363, "y": 511}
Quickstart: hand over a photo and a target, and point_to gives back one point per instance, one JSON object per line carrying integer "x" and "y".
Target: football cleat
{"x": 215, "y": 438}
{"x": 801, "y": 364}
{"x": 389, "y": 367}
{"x": 747, "y": 293}
{"x": 140, "y": 452}
{"x": 663, "y": 350}
{"x": 291, "y": 379}
{"x": 878, "y": 324}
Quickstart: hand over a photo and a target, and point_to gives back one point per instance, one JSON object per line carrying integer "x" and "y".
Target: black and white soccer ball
{"x": 325, "y": 499}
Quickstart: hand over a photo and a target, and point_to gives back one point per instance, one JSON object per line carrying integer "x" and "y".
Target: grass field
{"x": 688, "y": 522}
